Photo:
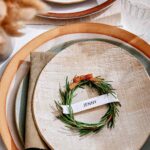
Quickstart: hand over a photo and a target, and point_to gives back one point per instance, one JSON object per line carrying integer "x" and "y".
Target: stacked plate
{"x": 71, "y": 9}
{"x": 81, "y": 48}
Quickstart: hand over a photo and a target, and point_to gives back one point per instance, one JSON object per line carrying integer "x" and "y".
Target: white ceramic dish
{"x": 74, "y": 11}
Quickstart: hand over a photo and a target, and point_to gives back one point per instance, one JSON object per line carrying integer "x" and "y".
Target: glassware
{"x": 5, "y": 45}
{"x": 136, "y": 17}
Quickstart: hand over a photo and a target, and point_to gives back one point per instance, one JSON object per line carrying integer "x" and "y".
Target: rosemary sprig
{"x": 103, "y": 87}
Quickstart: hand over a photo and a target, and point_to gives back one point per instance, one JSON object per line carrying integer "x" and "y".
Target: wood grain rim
{"x": 13, "y": 65}
{"x": 80, "y": 14}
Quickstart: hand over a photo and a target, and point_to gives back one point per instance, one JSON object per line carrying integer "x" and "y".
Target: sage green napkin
{"x": 32, "y": 138}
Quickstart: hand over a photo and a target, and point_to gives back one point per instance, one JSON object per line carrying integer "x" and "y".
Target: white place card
{"x": 90, "y": 103}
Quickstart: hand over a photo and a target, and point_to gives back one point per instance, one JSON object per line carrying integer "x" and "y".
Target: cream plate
{"x": 132, "y": 86}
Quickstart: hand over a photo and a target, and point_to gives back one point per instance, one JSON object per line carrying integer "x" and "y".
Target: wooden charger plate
{"x": 76, "y": 10}
{"x": 84, "y": 29}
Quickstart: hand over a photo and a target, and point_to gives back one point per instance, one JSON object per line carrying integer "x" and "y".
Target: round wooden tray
{"x": 12, "y": 67}
{"x": 79, "y": 14}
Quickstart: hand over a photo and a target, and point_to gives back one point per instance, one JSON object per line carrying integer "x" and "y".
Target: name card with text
{"x": 90, "y": 103}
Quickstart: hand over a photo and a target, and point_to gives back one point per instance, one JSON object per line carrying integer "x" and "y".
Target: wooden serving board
{"x": 128, "y": 77}
{"x": 83, "y": 28}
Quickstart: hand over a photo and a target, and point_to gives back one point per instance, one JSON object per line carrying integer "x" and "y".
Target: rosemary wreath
{"x": 102, "y": 87}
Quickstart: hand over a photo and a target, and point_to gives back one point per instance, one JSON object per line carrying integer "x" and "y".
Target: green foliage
{"x": 103, "y": 87}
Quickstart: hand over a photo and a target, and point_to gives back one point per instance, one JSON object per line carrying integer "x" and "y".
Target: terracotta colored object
{"x": 13, "y": 65}
{"x": 79, "y": 14}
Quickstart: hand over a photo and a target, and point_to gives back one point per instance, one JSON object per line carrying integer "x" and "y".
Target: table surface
{"x": 37, "y": 26}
